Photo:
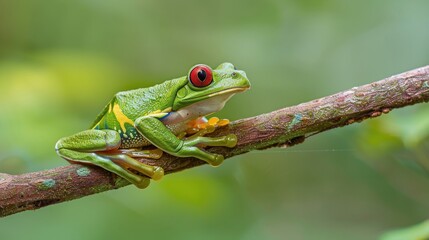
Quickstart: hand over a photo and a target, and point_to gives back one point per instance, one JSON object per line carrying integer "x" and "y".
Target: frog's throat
{"x": 214, "y": 103}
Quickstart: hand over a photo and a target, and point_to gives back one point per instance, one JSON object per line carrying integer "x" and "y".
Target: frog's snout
{"x": 241, "y": 77}
{"x": 242, "y": 73}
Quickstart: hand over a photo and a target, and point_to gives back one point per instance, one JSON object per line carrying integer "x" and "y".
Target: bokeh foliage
{"x": 61, "y": 61}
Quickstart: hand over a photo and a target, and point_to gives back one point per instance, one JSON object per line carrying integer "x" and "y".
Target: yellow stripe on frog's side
{"x": 167, "y": 110}
{"x": 120, "y": 117}
{"x": 159, "y": 113}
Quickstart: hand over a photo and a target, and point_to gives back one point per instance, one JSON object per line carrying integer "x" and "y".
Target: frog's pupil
{"x": 202, "y": 75}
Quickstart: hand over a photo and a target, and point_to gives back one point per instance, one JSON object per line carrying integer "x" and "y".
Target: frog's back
{"x": 112, "y": 117}
{"x": 125, "y": 107}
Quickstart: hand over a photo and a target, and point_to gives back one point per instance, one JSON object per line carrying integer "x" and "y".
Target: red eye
{"x": 201, "y": 76}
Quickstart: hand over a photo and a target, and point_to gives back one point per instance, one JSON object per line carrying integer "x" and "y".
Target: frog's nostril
{"x": 242, "y": 73}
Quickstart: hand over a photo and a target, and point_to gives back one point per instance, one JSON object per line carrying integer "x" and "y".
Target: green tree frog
{"x": 169, "y": 116}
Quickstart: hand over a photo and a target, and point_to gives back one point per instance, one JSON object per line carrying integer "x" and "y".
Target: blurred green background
{"x": 61, "y": 61}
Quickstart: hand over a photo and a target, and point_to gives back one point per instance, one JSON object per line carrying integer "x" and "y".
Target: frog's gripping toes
{"x": 135, "y": 119}
{"x": 157, "y": 133}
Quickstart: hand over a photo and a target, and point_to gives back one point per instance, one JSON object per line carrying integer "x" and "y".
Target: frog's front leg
{"x": 93, "y": 146}
{"x": 159, "y": 135}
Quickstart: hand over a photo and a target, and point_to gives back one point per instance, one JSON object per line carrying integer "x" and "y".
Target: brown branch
{"x": 284, "y": 127}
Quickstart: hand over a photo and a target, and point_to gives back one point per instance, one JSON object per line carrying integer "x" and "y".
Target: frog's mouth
{"x": 229, "y": 90}
{"x": 218, "y": 95}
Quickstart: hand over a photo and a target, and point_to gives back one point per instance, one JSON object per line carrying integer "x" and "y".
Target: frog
{"x": 170, "y": 117}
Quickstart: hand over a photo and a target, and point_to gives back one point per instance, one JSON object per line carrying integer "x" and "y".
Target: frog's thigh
{"x": 79, "y": 147}
{"x": 91, "y": 140}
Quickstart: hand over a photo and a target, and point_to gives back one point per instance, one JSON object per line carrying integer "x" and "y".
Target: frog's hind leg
{"x": 154, "y": 172}
{"x": 127, "y": 159}
{"x": 95, "y": 159}
{"x": 86, "y": 147}
{"x": 155, "y": 153}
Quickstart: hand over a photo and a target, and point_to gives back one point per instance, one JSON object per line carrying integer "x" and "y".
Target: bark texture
{"x": 281, "y": 128}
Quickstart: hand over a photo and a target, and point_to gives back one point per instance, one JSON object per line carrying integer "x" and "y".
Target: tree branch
{"x": 281, "y": 128}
